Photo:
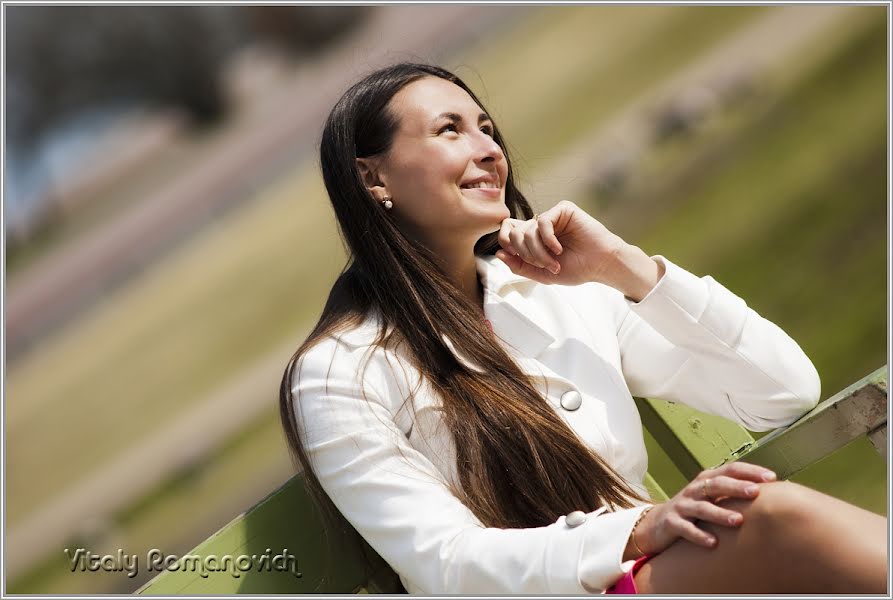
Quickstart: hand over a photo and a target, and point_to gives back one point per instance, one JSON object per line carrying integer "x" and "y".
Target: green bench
{"x": 338, "y": 560}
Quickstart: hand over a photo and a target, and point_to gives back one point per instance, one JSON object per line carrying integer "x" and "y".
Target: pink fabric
{"x": 627, "y": 584}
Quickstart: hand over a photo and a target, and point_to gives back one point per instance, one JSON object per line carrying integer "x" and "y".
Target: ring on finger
{"x": 706, "y": 493}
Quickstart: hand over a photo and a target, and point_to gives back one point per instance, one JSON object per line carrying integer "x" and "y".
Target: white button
{"x": 576, "y": 518}
{"x": 571, "y": 400}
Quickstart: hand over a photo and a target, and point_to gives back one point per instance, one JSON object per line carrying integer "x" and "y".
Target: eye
{"x": 448, "y": 127}
{"x": 488, "y": 129}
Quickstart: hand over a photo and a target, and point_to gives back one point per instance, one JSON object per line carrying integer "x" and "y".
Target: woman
{"x": 465, "y": 400}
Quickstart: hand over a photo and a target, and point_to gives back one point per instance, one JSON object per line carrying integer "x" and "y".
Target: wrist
{"x": 635, "y": 273}
{"x": 636, "y": 547}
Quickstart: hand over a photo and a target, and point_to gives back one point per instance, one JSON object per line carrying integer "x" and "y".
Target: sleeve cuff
{"x": 601, "y": 556}
{"x": 680, "y": 301}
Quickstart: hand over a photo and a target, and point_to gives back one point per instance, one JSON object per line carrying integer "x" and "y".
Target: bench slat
{"x": 329, "y": 562}
{"x": 693, "y": 440}
{"x": 860, "y": 409}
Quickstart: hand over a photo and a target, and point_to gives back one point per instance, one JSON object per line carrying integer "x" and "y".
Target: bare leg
{"x": 793, "y": 540}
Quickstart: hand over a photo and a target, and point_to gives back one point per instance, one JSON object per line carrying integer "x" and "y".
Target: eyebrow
{"x": 458, "y": 118}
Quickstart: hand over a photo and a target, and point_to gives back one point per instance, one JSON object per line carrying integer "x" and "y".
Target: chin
{"x": 486, "y": 214}
{"x": 492, "y": 220}
{"x": 497, "y": 209}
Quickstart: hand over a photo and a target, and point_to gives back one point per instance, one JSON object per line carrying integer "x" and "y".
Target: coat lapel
{"x": 515, "y": 319}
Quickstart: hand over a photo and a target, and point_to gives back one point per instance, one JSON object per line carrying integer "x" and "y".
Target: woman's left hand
{"x": 563, "y": 245}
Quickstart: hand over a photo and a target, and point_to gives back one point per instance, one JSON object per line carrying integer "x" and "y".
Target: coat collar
{"x": 495, "y": 274}
{"x": 515, "y": 318}
{"x": 507, "y": 305}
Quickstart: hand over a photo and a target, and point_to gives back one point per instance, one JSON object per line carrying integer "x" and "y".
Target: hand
{"x": 675, "y": 518}
{"x": 563, "y": 245}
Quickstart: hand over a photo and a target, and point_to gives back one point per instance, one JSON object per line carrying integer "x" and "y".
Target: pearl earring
{"x": 386, "y": 202}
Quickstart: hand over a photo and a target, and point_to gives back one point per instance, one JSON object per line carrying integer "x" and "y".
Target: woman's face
{"x": 444, "y": 171}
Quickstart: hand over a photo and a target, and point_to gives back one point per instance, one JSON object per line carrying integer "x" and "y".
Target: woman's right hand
{"x": 674, "y": 519}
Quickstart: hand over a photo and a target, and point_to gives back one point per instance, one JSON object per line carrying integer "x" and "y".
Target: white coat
{"x": 690, "y": 340}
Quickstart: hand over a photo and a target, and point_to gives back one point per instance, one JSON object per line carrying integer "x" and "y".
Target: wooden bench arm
{"x": 860, "y": 409}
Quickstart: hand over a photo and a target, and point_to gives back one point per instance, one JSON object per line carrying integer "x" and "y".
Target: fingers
{"x": 691, "y": 532}
{"x": 534, "y": 251}
{"x": 524, "y": 239}
{"x": 504, "y": 232}
{"x": 743, "y": 470}
{"x": 517, "y": 265}
{"x": 696, "y": 502}
{"x": 734, "y": 480}
{"x": 723, "y": 486}
{"x": 547, "y": 235}
{"x": 710, "y": 513}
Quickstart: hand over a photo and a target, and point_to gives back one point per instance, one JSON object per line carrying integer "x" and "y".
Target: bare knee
{"x": 780, "y": 507}
{"x": 747, "y": 556}
{"x": 782, "y": 503}
{"x": 778, "y": 524}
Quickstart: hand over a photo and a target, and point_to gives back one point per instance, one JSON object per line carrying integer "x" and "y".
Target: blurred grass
{"x": 110, "y": 200}
{"x": 765, "y": 219}
{"x": 175, "y": 335}
{"x": 208, "y": 498}
{"x": 581, "y": 66}
{"x": 793, "y": 219}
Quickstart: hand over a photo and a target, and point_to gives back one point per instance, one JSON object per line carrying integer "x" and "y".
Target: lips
{"x": 487, "y": 183}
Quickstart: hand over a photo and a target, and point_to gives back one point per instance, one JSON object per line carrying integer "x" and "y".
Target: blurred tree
{"x": 303, "y": 29}
{"x": 65, "y": 58}
{"x": 71, "y": 71}
{"x": 61, "y": 59}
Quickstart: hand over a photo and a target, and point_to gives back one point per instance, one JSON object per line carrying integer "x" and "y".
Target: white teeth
{"x": 482, "y": 184}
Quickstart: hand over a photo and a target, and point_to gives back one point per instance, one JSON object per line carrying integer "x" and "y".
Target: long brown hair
{"x": 520, "y": 464}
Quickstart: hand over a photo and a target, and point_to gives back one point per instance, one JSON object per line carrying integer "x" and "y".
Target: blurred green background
{"x": 746, "y": 142}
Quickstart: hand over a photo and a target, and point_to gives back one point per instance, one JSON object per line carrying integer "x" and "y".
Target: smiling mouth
{"x": 485, "y": 185}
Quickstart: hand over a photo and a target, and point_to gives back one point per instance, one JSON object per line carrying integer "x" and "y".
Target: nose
{"x": 488, "y": 150}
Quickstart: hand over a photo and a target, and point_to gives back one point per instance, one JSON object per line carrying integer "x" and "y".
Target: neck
{"x": 458, "y": 262}
{"x": 460, "y": 266}
{"x": 466, "y": 277}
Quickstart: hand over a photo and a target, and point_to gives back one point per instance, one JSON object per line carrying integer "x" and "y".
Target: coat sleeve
{"x": 399, "y": 502}
{"x": 691, "y": 340}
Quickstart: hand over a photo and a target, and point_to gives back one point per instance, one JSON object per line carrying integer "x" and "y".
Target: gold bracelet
{"x": 636, "y": 524}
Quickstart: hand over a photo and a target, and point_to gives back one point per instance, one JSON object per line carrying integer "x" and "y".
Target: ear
{"x": 371, "y": 176}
